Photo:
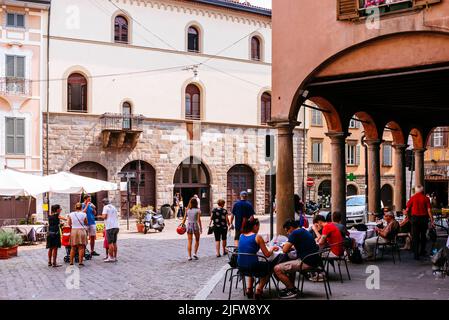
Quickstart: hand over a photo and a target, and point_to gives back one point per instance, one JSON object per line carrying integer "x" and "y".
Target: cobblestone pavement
{"x": 152, "y": 266}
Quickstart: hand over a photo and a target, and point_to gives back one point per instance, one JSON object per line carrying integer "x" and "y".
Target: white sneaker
{"x": 109, "y": 260}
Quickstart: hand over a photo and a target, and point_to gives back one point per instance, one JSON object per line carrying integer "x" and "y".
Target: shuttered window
{"x": 265, "y": 108}
{"x": 387, "y": 155}
{"x": 193, "y": 102}
{"x": 15, "y": 135}
{"x": 317, "y": 151}
{"x": 317, "y": 118}
{"x": 347, "y": 9}
{"x": 15, "y": 67}
{"x": 15, "y": 20}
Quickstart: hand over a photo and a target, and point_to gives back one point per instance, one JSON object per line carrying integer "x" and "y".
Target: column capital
{"x": 374, "y": 142}
{"x": 337, "y": 137}
{"x": 400, "y": 147}
{"x": 285, "y": 127}
{"x": 416, "y": 150}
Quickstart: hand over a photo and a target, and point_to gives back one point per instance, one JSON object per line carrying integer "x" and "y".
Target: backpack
{"x": 356, "y": 256}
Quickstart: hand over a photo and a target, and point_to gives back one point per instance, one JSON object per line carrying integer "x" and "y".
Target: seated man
{"x": 330, "y": 236}
{"x": 302, "y": 241}
{"x": 348, "y": 242}
{"x": 385, "y": 235}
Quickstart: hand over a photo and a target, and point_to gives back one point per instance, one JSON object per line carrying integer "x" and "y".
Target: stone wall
{"x": 75, "y": 138}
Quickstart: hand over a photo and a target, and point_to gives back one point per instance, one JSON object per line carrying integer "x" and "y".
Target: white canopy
{"x": 16, "y": 183}
{"x": 66, "y": 182}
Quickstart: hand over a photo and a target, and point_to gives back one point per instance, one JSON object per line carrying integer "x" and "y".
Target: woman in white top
{"x": 78, "y": 236}
{"x": 194, "y": 227}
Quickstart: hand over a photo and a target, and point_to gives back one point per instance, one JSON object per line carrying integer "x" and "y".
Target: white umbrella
{"x": 16, "y": 183}
{"x": 66, "y": 182}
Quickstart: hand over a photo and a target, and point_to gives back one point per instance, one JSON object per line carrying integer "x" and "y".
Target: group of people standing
{"x": 82, "y": 223}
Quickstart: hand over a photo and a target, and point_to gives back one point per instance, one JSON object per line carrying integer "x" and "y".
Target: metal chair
{"x": 231, "y": 269}
{"x": 41, "y": 233}
{"x": 319, "y": 270}
{"x": 242, "y": 274}
{"x": 332, "y": 260}
{"x": 393, "y": 244}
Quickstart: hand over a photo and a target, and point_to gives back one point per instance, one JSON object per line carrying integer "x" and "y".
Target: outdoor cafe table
{"x": 360, "y": 236}
{"x": 28, "y": 229}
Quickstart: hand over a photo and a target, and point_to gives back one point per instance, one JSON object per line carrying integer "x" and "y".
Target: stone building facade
{"x": 164, "y": 145}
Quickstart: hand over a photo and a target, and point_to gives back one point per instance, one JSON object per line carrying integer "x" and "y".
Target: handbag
{"x": 211, "y": 228}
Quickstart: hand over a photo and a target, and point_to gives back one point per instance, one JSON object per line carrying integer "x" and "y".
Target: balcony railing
{"x": 121, "y": 130}
{"x": 319, "y": 168}
{"x": 15, "y": 86}
{"x": 121, "y": 122}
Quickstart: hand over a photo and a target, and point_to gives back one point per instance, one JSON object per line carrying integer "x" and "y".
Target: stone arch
{"x": 352, "y": 189}
{"x": 371, "y": 131}
{"x": 396, "y": 132}
{"x": 331, "y": 115}
{"x": 417, "y": 138}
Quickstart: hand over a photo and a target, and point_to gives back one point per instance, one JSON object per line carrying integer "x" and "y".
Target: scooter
{"x": 154, "y": 221}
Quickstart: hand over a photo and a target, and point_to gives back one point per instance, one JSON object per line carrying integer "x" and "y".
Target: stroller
{"x": 65, "y": 241}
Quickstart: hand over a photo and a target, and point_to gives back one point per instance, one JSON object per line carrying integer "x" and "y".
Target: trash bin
{"x": 167, "y": 212}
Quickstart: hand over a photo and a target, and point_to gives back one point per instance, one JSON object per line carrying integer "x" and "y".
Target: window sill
{"x": 316, "y": 125}
{"x": 15, "y": 156}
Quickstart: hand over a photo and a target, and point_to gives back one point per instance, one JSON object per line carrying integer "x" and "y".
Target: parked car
{"x": 356, "y": 210}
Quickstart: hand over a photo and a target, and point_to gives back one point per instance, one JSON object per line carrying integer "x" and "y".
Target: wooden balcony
{"x": 319, "y": 168}
{"x": 120, "y": 130}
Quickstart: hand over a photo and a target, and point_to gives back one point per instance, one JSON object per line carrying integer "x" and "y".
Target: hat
{"x": 243, "y": 194}
{"x": 105, "y": 201}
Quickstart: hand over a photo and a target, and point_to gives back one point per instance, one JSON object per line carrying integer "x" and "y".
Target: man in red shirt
{"x": 330, "y": 235}
{"x": 420, "y": 210}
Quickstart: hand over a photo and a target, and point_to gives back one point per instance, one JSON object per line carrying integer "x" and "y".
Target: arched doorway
{"x": 192, "y": 177}
{"x": 351, "y": 190}
{"x": 324, "y": 193}
{"x": 386, "y": 195}
{"x": 142, "y": 186}
{"x": 239, "y": 178}
{"x": 91, "y": 170}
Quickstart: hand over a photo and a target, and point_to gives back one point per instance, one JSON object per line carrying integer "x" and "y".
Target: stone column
{"x": 419, "y": 166}
{"x": 284, "y": 175}
{"x": 338, "y": 158}
{"x": 373, "y": 178}
{"x": 400, "y": 178}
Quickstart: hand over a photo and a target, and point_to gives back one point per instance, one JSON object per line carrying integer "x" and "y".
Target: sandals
{"x": 55, "y": 265}
{"x": 50, "y": 264}
{"x": 218, "y": 255}
{"x": 195, "y": 257}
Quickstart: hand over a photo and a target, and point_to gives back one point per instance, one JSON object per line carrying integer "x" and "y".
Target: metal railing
{"x": 15, "y": 86}
{"x": 122, "y": 122}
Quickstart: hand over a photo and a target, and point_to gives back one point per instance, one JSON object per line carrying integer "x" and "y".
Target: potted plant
{"x": 9, "y": 241}
{"x": 139, "y": 213}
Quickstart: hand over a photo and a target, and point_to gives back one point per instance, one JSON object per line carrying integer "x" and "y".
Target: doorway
{"x": 192, "y": 178}
{"x": 90, "y": 170}
{"x": 386, "y": 195}
{"x": 440, "y": 190}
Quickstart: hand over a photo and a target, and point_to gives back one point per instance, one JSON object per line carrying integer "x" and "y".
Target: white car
{"x": 356, "y": 210}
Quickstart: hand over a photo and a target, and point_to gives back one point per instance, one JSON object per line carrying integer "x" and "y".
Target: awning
{"x": 67, "y": 183}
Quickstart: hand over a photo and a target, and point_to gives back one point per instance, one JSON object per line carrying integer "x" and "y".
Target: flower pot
{"x": 12, "y": 252}
{"x": 4, "y": 253}
{"x": 140, "y": 227}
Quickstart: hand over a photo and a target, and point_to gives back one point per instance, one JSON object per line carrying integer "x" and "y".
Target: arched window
{"x": 76, "y": 93}
{"x": 126, "y": 111}
{"x": 193, "y": 40}
{"x": 266, "y": 108}
{"x": 121, "y": 29}
{"x": 193, "y": 102}
{"x": 255, "y": 49}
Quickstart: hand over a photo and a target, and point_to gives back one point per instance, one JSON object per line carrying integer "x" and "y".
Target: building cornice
{"x": 130, "y": 46}
{"x": 205, "y": 10}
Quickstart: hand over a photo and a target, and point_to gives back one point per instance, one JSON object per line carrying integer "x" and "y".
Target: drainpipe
{"x": 48, "y": 104}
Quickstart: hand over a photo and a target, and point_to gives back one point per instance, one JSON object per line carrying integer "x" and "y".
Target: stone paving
{"x": 154, "y": 266}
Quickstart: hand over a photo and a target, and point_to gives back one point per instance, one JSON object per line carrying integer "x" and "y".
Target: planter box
{"x": 6, "y": 253}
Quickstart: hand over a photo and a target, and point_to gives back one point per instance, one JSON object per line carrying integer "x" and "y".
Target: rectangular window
{"x": 387, "y": 155}
{"x": 352, "y": 154}
{"x": 354, "y": 124}
{"x": 15, "y": 74}
{"x": 438, "y": 138}
{"x": 15, "y": 135}
{"x": 317, "y": 118}
{"x": 15, "y": 20}
{"x": 317, "y": 151}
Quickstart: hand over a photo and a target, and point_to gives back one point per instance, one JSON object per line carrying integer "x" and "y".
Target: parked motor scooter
{"x": 153, "y": 220}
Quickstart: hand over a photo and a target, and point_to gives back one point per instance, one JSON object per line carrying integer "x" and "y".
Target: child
{"x": 105, "y": 244}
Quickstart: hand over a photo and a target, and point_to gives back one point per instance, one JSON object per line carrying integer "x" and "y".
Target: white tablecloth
{"x": 360, "y": 236}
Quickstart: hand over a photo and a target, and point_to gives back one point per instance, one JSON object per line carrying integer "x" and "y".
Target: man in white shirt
{"x": 112, "y": 225}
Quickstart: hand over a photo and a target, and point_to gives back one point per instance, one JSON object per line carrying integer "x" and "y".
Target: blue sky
{"x": 261, "y": 3}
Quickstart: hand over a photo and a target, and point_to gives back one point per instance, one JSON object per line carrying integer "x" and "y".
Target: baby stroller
{"x": 65, "y": 241}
